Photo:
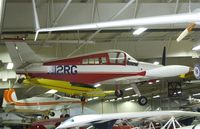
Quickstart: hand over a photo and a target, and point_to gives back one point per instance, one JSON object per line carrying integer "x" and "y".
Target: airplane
{"x": 106, "y": 121}
{"x": 35, "y": 105}
{"x": 114, "y": 67}
{"x": 191, "y": 127}
{"x": 190, "y": 17}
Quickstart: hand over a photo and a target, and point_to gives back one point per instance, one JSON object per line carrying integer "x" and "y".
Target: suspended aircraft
{"x": 36, "y": 105}
{"x": 114, "y": 67}
{"x": 106, "y": 121}
{"x": 192, "y": 18}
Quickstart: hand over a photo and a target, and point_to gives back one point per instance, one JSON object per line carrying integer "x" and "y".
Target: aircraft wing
{"x": 67, "y": 87}
{"x": 98, "y": 120}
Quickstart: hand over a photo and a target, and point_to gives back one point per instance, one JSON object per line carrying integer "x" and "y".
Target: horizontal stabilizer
{"x": 21, "y": 54}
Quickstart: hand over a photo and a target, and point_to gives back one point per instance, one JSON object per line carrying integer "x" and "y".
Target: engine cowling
{"x": 197, "y": 71}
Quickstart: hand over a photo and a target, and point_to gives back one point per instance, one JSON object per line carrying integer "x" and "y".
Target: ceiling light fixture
{"x": 4, "y": 79}
{"x": 97, "y": 85}
{"x": 95, "y": 98}
{"x": 156, "y": 63}
{"x": 9, "y": 66}
{"x": 130, "y": 88}
{"x": 156, "y": 96}
{"x": 196, "y": 48}
{"x": 51, "y": 91}
{"x": 90, "y": 99}
{"x": 126, "y": 97}
{"x": 139, "y": 31}
{"x": 134, "y": 95}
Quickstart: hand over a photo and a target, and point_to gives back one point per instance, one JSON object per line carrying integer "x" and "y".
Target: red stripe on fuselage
{"x": 85, "y": 78}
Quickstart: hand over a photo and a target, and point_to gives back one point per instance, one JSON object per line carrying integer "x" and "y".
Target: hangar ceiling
{"x": 18, "y": 24}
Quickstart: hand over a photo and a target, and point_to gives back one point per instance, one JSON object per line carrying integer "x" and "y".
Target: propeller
{"x": 186, "y": 32}
{"x": 164, "y": 56}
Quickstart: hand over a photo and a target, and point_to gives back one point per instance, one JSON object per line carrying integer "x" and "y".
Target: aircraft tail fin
{"x": 9, "y": 97}
{"x": 21, "y": 54}
{"x": 164, "y": 56}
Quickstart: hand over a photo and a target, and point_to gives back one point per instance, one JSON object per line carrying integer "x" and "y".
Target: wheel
{"x": 52, "y": 114}
{"x": 118, "y": 93}
{"x": 67, "y": 115}
{"x": 142, "y": 100}
{"x": 83, "y": 99}
{"x": 197, "y": 71}
{"x": 20, "y": 80}
{"x": 46, "y": 117}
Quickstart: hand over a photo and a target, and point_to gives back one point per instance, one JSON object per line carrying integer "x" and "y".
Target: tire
{"x": 142, "y": 100}
{"x": 52, "y": 114}
{"x": 67, "y": 115}
{"x": 46, "y": 117}
{"x": 197, "y": 71}
{"x": 119, "y": 93}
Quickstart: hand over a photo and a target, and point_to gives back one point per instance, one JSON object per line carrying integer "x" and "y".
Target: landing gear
{"x": 83, "y": 99}
{"x": 119, "y": 93}
{"x": 46, "y": 117}
{"x": 142, "y": 100}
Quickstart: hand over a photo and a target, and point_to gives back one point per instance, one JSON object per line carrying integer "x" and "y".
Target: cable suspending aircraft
{"x": 114, "y": 67}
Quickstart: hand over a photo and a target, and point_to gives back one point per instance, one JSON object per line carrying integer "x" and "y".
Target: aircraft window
{"x": 121, "y": 58}
{"x": 72, "y": 120}
{"x": 85, "y": 61}
{"x": 113, "y": 57}
{"x": 91, "y": 60}
{"x": 103, "y": 60}
{"x": 96, "y": 60}
{"x": 131, "y": 62}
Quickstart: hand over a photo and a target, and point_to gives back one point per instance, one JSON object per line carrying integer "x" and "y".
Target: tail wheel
{"x": 142, "y": 100}
{"x": 46, "y": 117}
{"x": 52, "y": 114}
{"x": 119, "y": 93}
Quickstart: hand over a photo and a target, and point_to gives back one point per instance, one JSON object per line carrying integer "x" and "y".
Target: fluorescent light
{"x": 156, "y": 96}
{"x": 196, "y": 48}
{"x": 16, "y": 47}
{"x": 10, "y": 65}
{"x": 134, "y": 95}
{"x": 156, "y": 63}
{"x": 51, "y": 91}
{"x": 107, "y": 101}
{"x": 179, "y": 92}
{"x": 197, "y": 94}
{"x": 89, "y": 99}
{"x": 150, "y": 83}
{"x": 133, "y": 100}
{"x": 127, "y": 97}
{"x": 157, "y": 81}
{"x": 97, "y": 85}
{"x": 95, "y": 98}
{"x": 112, "y": 100}
{"x": 4, "y": 79}
{"x": 139, "y": 31}
{"x": 119, "y": 98}
{"x": 130, "y": 88}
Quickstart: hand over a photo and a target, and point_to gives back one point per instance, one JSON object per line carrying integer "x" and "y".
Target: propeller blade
{"x": 185, "y": 32}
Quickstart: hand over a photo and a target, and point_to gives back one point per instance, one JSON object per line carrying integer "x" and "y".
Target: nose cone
{"x": 168, "y": 71}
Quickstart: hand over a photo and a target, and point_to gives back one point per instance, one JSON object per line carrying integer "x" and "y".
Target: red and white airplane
{"x": 107, "y": 67}
{"x": 36, "y": 105}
